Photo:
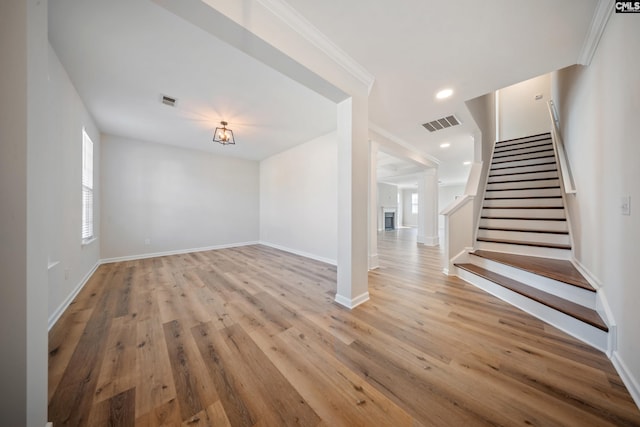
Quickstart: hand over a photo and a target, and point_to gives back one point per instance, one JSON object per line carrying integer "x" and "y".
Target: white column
{"x": 428, "y": 207}
{"x": 373, "y": 205}
{"x": 23, "y": 212}
{"x": 353, "y": 195}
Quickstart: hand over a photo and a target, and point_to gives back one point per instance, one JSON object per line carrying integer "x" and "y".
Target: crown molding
{"x": 601, "y": 16}
{"x": 299, "y": 24}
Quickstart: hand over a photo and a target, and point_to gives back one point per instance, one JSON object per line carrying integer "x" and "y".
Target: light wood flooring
{"x": 251, "y": 336}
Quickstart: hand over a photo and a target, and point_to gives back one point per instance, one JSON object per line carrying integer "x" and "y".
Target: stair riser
{"x": 525, "y": 224}
{"x": 554, "y": 287}
{"x": 523, "y": 185}
{"x": 541, "y": 146}
{"x": 505, "y": 194}
{"x": 516, "y": 203}
{"x": 520, "y": 236}
{"x": 525, "y": 176}
{"x": 524, "y": 213}
{"x": 525, "y": 250}
{"x": 522, "y": 170}
{"x": 529, "y": 139}
{"x": 583, "y": 331}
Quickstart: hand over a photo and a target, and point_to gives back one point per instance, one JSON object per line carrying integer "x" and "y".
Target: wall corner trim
{"x": 601, "y": 16}
{"x": 627, "y": 377}
{"x": 352, "y": 303}
{"x": 302, "y": 26}
{"x": 67, "y": 301}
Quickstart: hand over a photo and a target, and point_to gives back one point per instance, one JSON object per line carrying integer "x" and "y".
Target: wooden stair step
{"x": 536, "y": 148}
{"x": 523, "y": 218}
{"x": 525, "y": 243}
{"x": 530, "y": 138}
{"x": 556, "y": 269}
{"x": 535, "y": 157}
{"x": 522, "y": 173}
{"x": 525, "y": 188}
{"x": 569, "y": 308}
{"x": 523, "y": 230}
{"x": 541, "y": 163}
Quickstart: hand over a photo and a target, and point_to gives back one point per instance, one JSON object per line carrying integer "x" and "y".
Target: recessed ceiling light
{"x": 467, "y": 163}
{"x": 444, "y": 93}
{"x": 445, "y": 145}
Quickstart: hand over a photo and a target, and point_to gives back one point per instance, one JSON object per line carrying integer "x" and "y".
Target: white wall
{"x": 598, "y": 108}
{"x": 299, "y": 199}
{"x": 67, "y": 117}
{"x": 519, "y": 113}
{"x": 409, "y": 219}
{"x": 387, "y": 198}
{"x": 177, "y": 199}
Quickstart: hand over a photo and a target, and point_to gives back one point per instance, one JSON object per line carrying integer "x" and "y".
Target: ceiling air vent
{"x": 167, "y": 100}
{"x": 439, "y": 124}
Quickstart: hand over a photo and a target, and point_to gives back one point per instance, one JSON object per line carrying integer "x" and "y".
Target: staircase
{"x": 522, "y": 251}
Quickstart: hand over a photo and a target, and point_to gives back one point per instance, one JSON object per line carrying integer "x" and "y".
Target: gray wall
{"x": 71, "y": 261}
{"x": 159, "y": 198}
{"x": 299, "y": 199}
{"x": 598, "y": 108}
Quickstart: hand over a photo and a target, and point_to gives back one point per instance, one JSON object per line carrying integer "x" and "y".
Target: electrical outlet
{"x": 625, "y": 205}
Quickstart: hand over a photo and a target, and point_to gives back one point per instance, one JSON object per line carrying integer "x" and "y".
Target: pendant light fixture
{"x": 223, "y": 135}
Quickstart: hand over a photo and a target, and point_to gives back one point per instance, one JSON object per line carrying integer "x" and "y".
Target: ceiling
{"x": 122, "y": 54}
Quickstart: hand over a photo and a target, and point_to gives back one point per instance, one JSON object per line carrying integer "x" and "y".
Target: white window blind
{"x": 87, "y": 187}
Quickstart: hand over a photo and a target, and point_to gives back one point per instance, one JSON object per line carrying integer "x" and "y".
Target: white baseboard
{"x": 352, "y": 303}
{"x": 301, "y": 253}
{"x": 62, "y": 307}
{"x": 373, "y": 262}
{"x": 429, "y": 240}
{"x": 627, "y": 377}
{"x": 175, "y": 252}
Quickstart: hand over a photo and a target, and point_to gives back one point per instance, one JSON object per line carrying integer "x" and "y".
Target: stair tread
{"x": 525, "y": 243}
{"x": 499, "y": 162}
{"x": 520, "y": 173}
{"x": 535, "y": 149}
{"x": 523, "y": 230}
{"x": 561, "y": 270}
{"x": 569, "y": 308}
{"x": 523, "y": 218}
{"x": 539, "y": 135}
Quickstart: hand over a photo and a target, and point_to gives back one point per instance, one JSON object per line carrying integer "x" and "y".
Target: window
{"x": 414, "y": 203}
{"x": 87, "y": 187}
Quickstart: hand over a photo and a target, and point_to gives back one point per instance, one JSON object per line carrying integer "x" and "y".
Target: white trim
{"x": 429, "y": 240}
{"x": 176, "y": 252}
{"x": 352, "y": 303}
{"x": 301, "y": 253}
{"x": 308, "y": 31}
{"x": 601, "y": 16}
{"x": 627, "y": 377}
{"x": 373, "y": 262}
{"x": 593, "y": 280}
{"x": 456, "y": 205}
{"x": 65, "y": 304}
{"x": 90, "y": 240}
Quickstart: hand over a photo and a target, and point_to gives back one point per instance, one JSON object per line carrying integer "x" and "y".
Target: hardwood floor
{"x": 251, "y": 336}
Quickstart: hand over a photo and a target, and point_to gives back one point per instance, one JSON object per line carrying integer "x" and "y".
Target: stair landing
{"x": 556, "y": 269}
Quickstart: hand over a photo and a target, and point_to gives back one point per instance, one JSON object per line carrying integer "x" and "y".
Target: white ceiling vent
{"x": 443, "y": 123}
{"x": 167, "y": 100}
